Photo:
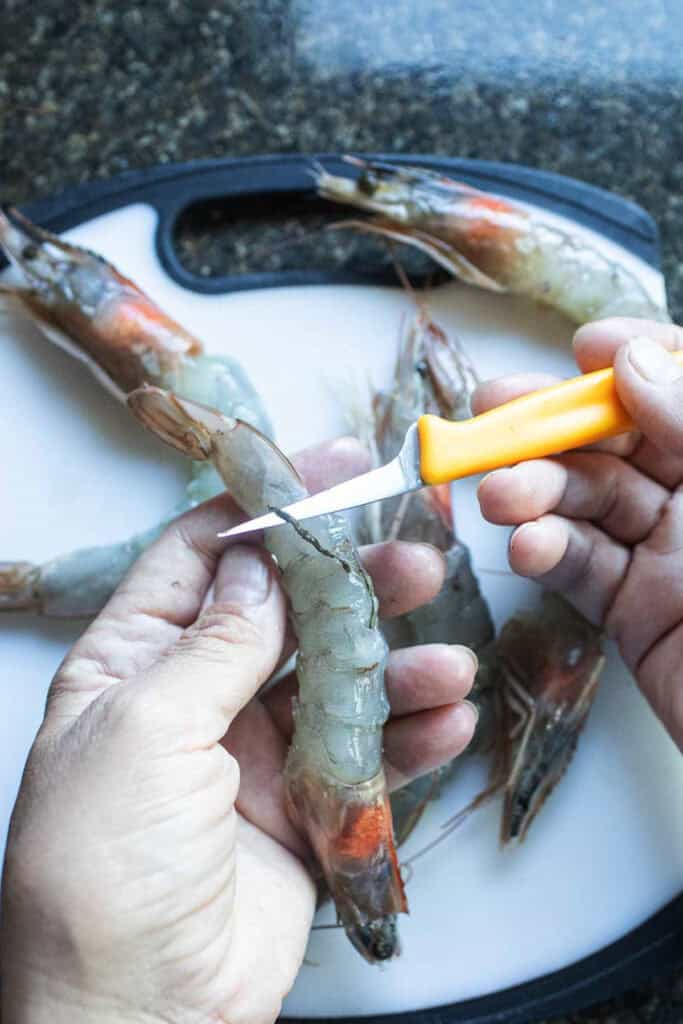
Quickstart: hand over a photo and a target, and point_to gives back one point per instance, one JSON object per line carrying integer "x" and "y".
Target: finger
{"x": 589, "y": 485}
{"x": 219, "y": 662}
{"x": 323, "y": 465}
{"x": 416, "y": 679}
{"x": 404, "y": 575}
{"x": 426, "y": 740}
{"x": 428, "y": 676}
{"x": 596, "y": 344}
{"x": 649, "y": 382}
{"x": 492, "y": 393}
{"x": 260, "y": 749}
{"x": 661, "y": 680}
{"x": 575, "y": 558}
{"x": 653, "y": 584}
{"x": 663, "y": 467}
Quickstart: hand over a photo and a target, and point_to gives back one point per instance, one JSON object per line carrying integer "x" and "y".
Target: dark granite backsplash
{"x": 590, "y": 89}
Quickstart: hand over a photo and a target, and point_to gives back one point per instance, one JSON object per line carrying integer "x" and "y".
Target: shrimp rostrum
{"x": 335, "y": 781}
{"x": 84, "y": 305}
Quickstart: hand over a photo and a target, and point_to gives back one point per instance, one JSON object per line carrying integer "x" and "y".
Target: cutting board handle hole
{"x": 283, "y": 232}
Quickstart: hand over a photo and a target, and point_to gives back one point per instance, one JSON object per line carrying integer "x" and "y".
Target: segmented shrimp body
{"x": 490, "y": 241}
{"x": 335, "y": 780}
{"x": 84, "y": 305}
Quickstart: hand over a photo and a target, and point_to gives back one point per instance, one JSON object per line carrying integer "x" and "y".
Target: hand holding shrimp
{"x": 603, "y": 526}
{"x": 156, "y": 884}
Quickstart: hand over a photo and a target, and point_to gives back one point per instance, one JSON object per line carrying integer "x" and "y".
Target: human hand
{"x": 604, "y": 526}
{"x": 151, "y": 872}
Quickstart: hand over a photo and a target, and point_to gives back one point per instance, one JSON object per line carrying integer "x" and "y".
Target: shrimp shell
{"x": 334, "y": 776}
{"x": 84, "y": 305}
{"x": 491, "y": 242}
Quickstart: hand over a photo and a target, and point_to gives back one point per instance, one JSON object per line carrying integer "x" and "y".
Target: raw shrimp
{"x": 547, "y": 670}
{"x": 550, "y": 665}
{"x": 84, "y": 305}
{"x": 433, "y": 375}
{"x": 491, "y": 242}
{"x": 334, "y": 776}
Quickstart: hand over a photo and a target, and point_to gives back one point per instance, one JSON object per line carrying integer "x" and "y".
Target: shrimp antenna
{"x": 406, "y": 283}
{"x": 455, "y": 822}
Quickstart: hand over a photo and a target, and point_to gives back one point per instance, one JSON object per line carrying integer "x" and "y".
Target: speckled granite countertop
{"x": 588, "y": 89}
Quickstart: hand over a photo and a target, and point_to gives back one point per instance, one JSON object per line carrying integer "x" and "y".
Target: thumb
{"x": 649, "y": 382}
{"x": 219, "y": 663}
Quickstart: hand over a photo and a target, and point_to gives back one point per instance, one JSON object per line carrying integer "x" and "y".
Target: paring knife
{"x": 576, "y": 412}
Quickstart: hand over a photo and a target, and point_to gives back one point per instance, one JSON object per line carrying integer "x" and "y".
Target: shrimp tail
{"x": 351, "y": 832}
{"x": 18, "y": 581}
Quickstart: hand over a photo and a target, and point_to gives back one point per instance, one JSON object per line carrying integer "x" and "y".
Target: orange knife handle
{"x": 577, "y": 412}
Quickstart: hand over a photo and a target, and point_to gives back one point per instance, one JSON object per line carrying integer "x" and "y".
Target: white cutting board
{"x": 607, "y": 850}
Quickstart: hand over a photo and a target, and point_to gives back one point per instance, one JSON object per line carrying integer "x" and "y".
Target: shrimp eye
{"x": 422, "y": 368}
{"x": 368, "y": 183}
{"x": 29, "y": 252}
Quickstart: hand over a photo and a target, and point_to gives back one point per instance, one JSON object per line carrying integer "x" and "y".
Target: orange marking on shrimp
{"x": 365, "y": 830}
{"x": 484, "y": 223}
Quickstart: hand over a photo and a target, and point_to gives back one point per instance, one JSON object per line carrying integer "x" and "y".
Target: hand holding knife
{"x": 569, "y": 415}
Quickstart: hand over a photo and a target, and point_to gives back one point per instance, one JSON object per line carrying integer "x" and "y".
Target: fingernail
{"x": 599, "y": 330}
{"x": 245, "y": 576}
{"x": 484, "y": 480}
{"x": 523, "y": 529}
{"x": 470, "y": 653}
{"x": 475, "y": 711}
{"x": 654, "y": 363}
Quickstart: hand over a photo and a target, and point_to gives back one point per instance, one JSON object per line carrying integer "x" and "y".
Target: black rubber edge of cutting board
{"x": 656, "y": 946}
{"x": 173, "y": 188}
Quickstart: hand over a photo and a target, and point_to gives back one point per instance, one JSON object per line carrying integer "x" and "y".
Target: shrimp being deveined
{"x": 490, "y": 241}
{"x": 335, "y": 781}
{"x": 84, "y": 305}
